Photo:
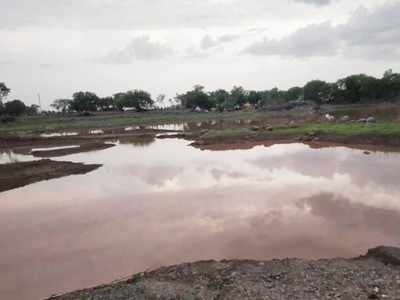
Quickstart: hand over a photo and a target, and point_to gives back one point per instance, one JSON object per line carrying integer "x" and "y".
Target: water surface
{"x": 162, "y": 202}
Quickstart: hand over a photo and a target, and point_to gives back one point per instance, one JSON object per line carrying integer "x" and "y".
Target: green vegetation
{"x": 386, "y": 128}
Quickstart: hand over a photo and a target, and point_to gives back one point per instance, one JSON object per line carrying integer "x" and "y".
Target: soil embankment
{"x": 19, "y": 174}
{"x": 374, "y": 276}
{"x": 67, "y": 151}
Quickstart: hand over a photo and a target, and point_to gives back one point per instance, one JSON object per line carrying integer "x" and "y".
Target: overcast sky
{"x": 57, "y": 47}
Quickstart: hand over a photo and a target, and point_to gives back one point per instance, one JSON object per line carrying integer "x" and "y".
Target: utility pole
{"x": 40, "y": 103}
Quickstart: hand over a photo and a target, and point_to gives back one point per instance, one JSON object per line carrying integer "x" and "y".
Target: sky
{"x": 58, "y": 47}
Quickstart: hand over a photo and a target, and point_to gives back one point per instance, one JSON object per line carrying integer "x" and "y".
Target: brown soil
{"x": 19, "y": 174}
{"x": 374, "y": 276}
{"x": 362, "y": 142}
{"x": 66, "y": 151}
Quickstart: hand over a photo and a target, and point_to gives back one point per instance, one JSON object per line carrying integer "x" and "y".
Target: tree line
{"x": 351, "y": 89}
{"x": 15, "y": 107}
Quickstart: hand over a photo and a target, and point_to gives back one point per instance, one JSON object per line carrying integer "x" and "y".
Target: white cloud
{"x": 315, "y": 2}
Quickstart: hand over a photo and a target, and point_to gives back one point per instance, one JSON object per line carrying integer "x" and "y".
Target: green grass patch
{"x": 387, "y": 128}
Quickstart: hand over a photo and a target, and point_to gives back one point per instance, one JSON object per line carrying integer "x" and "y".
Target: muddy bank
{"x": 373, "y": 276}
{"x": 314, "y": 140}
{"x": 19, "y": 174}
{"x": 66, "y": 151}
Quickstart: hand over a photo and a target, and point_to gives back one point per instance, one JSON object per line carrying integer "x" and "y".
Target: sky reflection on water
{"x": 164, "y": 202}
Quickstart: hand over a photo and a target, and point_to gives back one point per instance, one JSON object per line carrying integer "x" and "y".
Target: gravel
{"x": 373, "y": 276}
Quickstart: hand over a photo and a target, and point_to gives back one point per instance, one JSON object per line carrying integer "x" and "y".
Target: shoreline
{"x": 375, "y": 275}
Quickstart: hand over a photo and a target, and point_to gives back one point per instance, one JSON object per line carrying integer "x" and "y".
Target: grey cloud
{"x": 140, "y": 14}
{"x": 313, "y": 40}
{"x": 140, "y": 48}
{"x": 367, "y": 34}
{"x": 208, "y": 42}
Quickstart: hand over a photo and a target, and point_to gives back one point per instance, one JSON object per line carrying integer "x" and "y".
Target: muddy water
{"x": 164, "y": 203}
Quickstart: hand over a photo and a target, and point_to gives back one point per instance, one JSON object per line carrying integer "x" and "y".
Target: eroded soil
{"x": 19, "y": 174}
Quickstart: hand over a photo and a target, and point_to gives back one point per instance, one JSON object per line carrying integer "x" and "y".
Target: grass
{"x": 386, "y": 129}
{"x": 25, "y": 125}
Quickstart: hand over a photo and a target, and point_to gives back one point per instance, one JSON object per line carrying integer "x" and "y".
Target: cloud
{"x": 371, "y": 34}
{"x": 315, "y": 2}
{"x": 140, "y": 48}
{"x": 208, "y": 42}
{"x": 313, "y": 40}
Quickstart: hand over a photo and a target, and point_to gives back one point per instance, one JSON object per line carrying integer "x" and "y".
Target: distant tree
{"x": 138, "y": 99}
{"x": 84, "y": 101}
{"x": 105, "y": 104}
{"x": 4, "y": 91}
{"x": 355, "y": 88}
{"x": 238, "y": 96}
{"x": 32, "y": 110}
{"x": 294, "y": 93}
{"x": 62, "y": 105}
{"x": 254, "y": 97}
{"x": 14, "y": 108}
{"x": 160, "y": 100}
{"x": 196, "y": 98}
{"x": 118, "y": 101}
{"x": 220, "y": 98}
{"x": 317, "y": 90}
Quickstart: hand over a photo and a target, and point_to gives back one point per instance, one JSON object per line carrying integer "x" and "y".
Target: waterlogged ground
{"x": 163, "y": 202}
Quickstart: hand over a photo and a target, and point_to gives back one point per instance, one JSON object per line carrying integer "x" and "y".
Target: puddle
{"x": 175, "y": 127}
{"x": 131, "y": 128}
{"x": 168, "y": 203}
{"x": 58, "y": 134}
{"x": 11, "y": 157}
{"x": 55, "y": 148}
{"x": 96, "y": 131}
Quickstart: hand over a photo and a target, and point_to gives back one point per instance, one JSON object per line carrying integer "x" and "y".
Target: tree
{"x": 294, "y": 93}
{"x": 254, "y": 97}
{"x": 32, "y": 110}
{"x": 14, "y": 108}
{"x": 317, "y": 90}
{"x": 238, "y": 96}
{"x": 62, "y": 105}
{"x": 4, "y": 91}
{"x": 220, "y": 98}
{"x": 105, "y": 104}
{"x": 160, "y": 100}
{"x": 138, "y": 99}
{"x": 84, "y": 101}
{"x": 196, "y": 98}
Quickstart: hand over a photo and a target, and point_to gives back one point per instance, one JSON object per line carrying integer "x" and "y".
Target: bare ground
{"x": 373, "y": 276}
{"x": 19, "y": 174}
{"x": 66, "y": 151}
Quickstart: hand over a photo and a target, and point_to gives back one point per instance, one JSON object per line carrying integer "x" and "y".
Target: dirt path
{"x": 19, "y": 174}
{"x": 374, "y": 276}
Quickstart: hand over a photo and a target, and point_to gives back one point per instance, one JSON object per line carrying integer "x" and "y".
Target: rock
{"x": 362, "y": 120}
{"x": 269, "y": 128}
{"x": 329, "y": 117}
{"x": 255, "y": 128}
{"x": 387, "y": 255}
{"x": 370, "y": 120}
{"x": 345, "y": 118}
{"x": 367, "y": 153}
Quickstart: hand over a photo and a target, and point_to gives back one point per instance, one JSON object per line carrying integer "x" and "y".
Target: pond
{"x": 164, "y": 202}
